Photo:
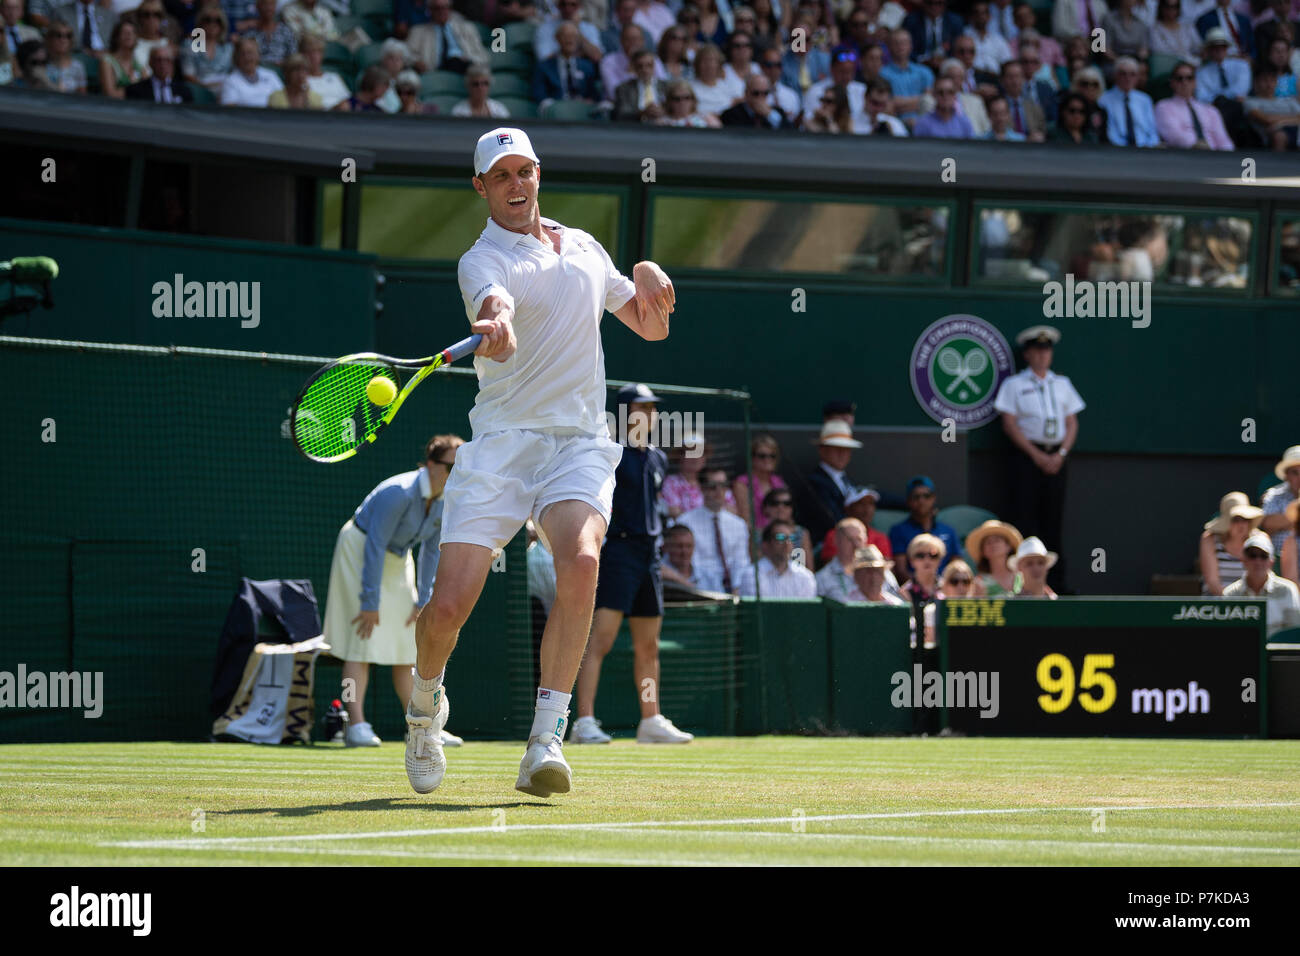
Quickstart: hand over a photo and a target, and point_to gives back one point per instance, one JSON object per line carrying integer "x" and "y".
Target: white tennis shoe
{"x": 451, "y": 740}
{"x": 425, "y": 763}
{"x": 660, "y": 730}
{"x": 586, "y": 730}
{"x": 361, "y": 735}
{"x": 544, "y": 771}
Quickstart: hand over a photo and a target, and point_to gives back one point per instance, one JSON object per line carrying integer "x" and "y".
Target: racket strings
{"x": 335, "y": 416}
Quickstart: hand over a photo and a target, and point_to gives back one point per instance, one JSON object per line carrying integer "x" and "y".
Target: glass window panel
{"x": 1186, "y": 249}
{"x": 765, "y": 235}
{"x": 411, "y": 221}
{"x": 1288, "y": 257}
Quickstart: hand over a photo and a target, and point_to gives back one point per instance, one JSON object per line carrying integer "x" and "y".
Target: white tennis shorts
{"x": 503, "y": 477}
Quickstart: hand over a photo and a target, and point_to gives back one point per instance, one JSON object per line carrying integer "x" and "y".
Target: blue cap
{"x": 920, "y": 481}
{"x": 636, "y": 392}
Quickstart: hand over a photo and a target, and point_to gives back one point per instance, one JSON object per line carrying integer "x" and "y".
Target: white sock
{"x": 552, "y": 714}
{"x": 426, "y": 695}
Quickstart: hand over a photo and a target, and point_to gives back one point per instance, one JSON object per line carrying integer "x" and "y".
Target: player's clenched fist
{"x": 655, "y": 295}
{"x": 497, "y": 328}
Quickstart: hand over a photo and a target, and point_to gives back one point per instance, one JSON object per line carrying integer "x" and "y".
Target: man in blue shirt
{"x": 374, "y": 597}
{"x": 1221, "y": 75}
{"x": 922, "y": 503}
{"x": 630, "y": 582}
{"x": 1130, "y": 114}
{"x": 908, "y": 80}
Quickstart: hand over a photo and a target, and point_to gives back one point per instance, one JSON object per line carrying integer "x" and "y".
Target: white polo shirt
{"x": 556, "y": 378}
{"x": 1282, "y": 596}
{"x": 796, "y": 582}
{"x": 237, "y": 90}
{"x": 1038, "y": 403}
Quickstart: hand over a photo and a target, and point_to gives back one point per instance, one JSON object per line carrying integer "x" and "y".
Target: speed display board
{"x": 1139, "y": 667}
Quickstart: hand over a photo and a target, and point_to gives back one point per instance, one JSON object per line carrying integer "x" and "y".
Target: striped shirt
{"x": 796, "y": 582}
{"x": 1230, "y": 568}
{"x": 1274, "y": 503}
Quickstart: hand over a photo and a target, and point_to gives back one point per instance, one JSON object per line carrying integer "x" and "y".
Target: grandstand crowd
{"x": 1210, "y": 74}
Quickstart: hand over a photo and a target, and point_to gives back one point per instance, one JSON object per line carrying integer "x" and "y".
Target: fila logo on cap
{"x": 503, "y": 141}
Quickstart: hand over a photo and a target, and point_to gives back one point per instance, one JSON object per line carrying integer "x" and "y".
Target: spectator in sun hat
{"x": 826, "y": 486}
{"x": 870, "y": 577}
{"x": 1258, "y": 580}
{"x": 1277, "y": 498}
{"x": 1040, "y": 415}
{"x": 990, "y": 546}
{"x": 1223, "y": 541}
{"x": 922, "y": 505}
{"x": 1032, "y": 561}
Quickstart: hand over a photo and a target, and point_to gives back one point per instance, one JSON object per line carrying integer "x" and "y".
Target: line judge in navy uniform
{"x": 630, "y": 583}
{"x": 373, "y": 597}
{"x": 1040, "y": 412}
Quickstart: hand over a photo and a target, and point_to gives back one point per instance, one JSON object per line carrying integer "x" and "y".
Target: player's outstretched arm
{"x": 646, "y": 313}
{"x": 497, "y": 328}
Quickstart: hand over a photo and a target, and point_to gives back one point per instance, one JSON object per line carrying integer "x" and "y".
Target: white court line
{"x": 217, "y": 842}
{"x": 539, "y": 857}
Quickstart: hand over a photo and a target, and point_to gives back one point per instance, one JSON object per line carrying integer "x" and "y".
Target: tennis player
{"x": 536, "y": 291}
{"x": 373, "y": 596}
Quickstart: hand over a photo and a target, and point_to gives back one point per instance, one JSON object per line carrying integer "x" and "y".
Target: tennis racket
{"x": 333, "y": 418}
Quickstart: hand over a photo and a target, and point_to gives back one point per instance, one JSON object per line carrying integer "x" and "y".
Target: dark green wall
{"x": 312, "y": 302}
{"x": 156, "y": 455}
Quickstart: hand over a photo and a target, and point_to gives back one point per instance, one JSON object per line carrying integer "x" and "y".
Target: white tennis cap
{"x": 503, "y": 141}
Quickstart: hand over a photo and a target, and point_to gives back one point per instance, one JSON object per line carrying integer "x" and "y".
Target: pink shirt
{"x": 1174, "y": 123}
{"x": 777, "y": 482}
{"x": 680, "y": 493}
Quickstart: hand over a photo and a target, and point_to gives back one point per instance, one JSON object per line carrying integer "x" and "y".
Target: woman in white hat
{"x": 990, "y": 545}
{"x": 1032, "y": 561}
{"x": 1222, "y": 542}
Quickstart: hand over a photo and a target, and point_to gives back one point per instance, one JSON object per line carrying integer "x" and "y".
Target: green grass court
{"x": 718, "y": 801}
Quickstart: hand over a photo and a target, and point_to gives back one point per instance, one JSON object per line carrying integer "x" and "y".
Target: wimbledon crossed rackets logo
{"x": 957, "y": 366}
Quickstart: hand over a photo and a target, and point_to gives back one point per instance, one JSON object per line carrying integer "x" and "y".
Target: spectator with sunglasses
{"x": 844, "y": 69}
{"x": 674, "y": 55}
{"x": 778, "y": 576}
{"x": 769, "y": 61}
{"x": 778, "y": 504}
{"x": 478, "y": 84}
{"x": 211, "y": 67}
{"x": 1187, "y": 123}
{"x": 958, "y": 581}
{"x": 740, "y": 65}
{"x": 92, "y": 24}
{"x": 922, "y": 505}
{"x": 721, "y": 537}
{"x": 765, "y": 453}
{"x": 1283, "y": 607}
{"x": 924, "y": 553}
{"x": 833, "y": 114}
{"x": 1072, "y": 123}
{"x": 63, "y": 71}
{"x": 683, "y": 108}
{"x": 149, "y": 21}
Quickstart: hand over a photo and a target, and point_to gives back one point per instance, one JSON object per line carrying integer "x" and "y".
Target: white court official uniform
{"x": 539, "y": 431}
{"x": 1040, "y": 405}
{"x": 796, "y": 582}
{"x": 392, "y": 641}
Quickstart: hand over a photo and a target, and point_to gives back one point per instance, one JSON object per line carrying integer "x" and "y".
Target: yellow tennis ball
{"x": 381, "y": 391}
